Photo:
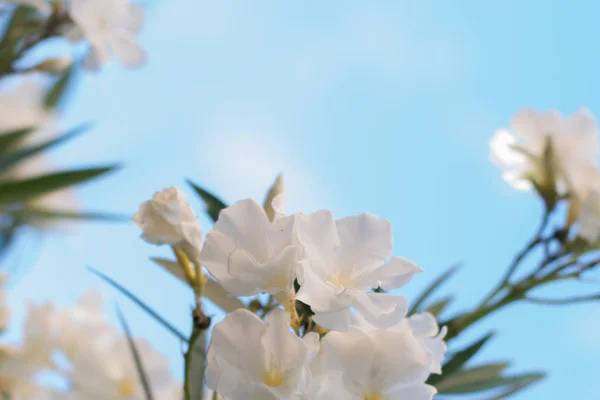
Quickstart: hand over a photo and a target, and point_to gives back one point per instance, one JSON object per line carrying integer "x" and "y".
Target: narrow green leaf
{"x": 214, "y": 205}
{"x": 9, "y": 139}
{"x": 20, "y": 25}
{"x": 140, "y": 303}
{"x": 212, "y": 290}
{"x": 11, "y": 159}
{"x": 457, "y": 382}
{"x": 58, "y": 90}
{"x": 436, "y": 308}
{"x": 459, "y": 359}
{"x": 27, "y": 213}
{"x": 519, "y": 383}
{"x": 136, "y": 356}
{"x": 432, "y": 288}
{"x": 25, "y": 189}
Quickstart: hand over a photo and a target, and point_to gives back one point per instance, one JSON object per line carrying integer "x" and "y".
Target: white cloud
{"x": 242, "y": 156}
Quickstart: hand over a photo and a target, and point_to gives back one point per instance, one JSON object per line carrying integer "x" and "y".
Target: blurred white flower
{"x": 20, "y": 365}
{"x": 376, "y": 366}
{"x": 343, "y": 261}
{"x": 107, "y": 370}
{"x": 573, "y": 139}
{"x": 111, "y": 28}
{"x": 250, "y": 360}
{"x": 169, "y": 219}
{"x": 247, "y": 254}
{"x": 100, "y": 362}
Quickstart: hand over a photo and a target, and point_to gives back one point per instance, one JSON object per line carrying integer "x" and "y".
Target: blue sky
{"x": 383, "y": 107}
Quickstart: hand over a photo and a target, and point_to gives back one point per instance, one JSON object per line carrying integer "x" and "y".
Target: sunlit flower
{"x": 344, "y": 261}
{"x": 111, "y": 28}
{"x": 169, "y": 219}
{"x": 247, "y": 253}
{"x": 573, "y": 141}
{"x": 423, "y": 327}
{"x": 248, "y": 359}
{"x": 376, "y": 366}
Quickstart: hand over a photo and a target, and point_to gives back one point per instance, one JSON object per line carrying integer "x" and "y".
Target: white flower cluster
{"x": 546, "y": 149}
{"x": 92, "y": 359}
{"x": 369, "y": 349}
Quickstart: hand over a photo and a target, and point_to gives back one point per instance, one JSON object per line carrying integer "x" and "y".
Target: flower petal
{"x": 412, "y": 392}
{"x": 365, "y": 241}
{"x": 336, "y": 320}
{"x": 382, "y": 310}
{"x": 392, "y": 275}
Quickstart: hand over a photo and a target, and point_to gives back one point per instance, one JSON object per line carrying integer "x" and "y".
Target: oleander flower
{"x": 573, "y": 141}
{"x": 107, "y": 370}
{"x": 343, "y": 261}
{"x": 423, "y": 327}
{"x": 248, "y": 254}
{"x": 375, "y": 366}
{"x": 111, "y": 28}
{"x": 100, "y": 362}
{"x": 249, "y": 359}
{"x": 169, "y": 219}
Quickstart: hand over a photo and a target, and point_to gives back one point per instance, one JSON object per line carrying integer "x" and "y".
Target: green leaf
{"x": 436, "y": 308}
{"x": 20, "y": 25}
{"x": 136, "y": 356}
{"x": 432, "y": 288}
{"x": 465, "y": 380}
{"x": 459, "y": 359}
{"x": 11, "y": 159}
{"x": 214, "y": 205}
{"x": 27, "y": 213}
{"x": 212, "y": 290}
{"x": 493, "y": 383}
{"x": 58, "y": 90}
{"x": 140, "y": 303}
{"x": 25, "y": 189}
{"x": 9, "y": 139}
{"x": 519, "y": 383}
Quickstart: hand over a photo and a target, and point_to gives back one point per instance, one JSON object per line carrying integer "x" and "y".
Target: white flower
{"x": 169, "y": 219}
{"x": 110, "y": 27}
{"x": 248, "y": 254}
{"x": 423, "y": 327}
{"x": 376, "y": 366}
{"x": 250, "y": 360}
{"x": 574, "y": 141}
{"x": 100, "y": 362}
{"x": 345, "y": 260}
{"x": 20, "y": 365}
{"x": 107, "y": 370}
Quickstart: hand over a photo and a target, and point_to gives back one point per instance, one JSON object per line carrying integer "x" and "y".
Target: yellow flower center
{"x": 373, "y": 396}
{"x": 280, "y": 282}
{"x": 126, "y": 387}
{"x": 273, "y": 377}
{"x": 339, "y": 279}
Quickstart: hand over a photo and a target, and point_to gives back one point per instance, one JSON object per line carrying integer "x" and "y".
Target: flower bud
{"x": 169, "y": 219}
